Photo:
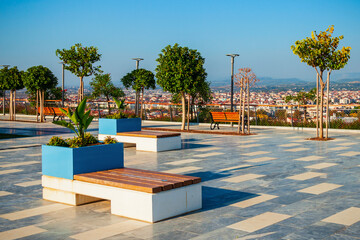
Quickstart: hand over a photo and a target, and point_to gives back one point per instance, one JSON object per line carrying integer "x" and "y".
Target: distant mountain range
{"x": 268, "y": 83}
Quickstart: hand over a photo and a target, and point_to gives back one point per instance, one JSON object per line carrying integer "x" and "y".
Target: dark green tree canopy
{"x": 180, "y": 69}
{"x": 102, "y": 86}
{"x": 39, "y": 78}
{"x": 138, "y": 79}
{"x": 79, "y": 60}
{"x": 302, "y": 97}
{"x": 11, "y": 79}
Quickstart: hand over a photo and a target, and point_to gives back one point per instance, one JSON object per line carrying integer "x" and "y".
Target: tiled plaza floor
{"x": 272, "y": 185}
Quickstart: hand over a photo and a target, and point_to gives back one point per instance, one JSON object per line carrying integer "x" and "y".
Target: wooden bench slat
{"x": 148, "y": 134}
{"x": 138, "y": 180}
{"x": 120, "y": 183}
{"x": 168, "y": 184}
{"x": 187, "y": 179}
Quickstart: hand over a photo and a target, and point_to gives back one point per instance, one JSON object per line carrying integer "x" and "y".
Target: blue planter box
{"x": 64, "y": 162}
{"x": 113, "y": 126}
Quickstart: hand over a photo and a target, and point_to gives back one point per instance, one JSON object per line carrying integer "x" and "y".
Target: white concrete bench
{"x": 139, "y": 194}
{"x": 149, "y": 140}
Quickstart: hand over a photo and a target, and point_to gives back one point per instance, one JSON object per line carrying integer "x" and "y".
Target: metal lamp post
{"x": 63, "y": 84}
{"x": 5, "y": 66}
{"x": 232, "y": 80}
{"x": 137, "y": 93}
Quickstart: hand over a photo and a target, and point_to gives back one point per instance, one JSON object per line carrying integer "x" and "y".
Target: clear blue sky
{"x": 260, "y": 31}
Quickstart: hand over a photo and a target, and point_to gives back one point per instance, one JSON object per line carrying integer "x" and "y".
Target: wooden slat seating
{"x": 53, "y": 111}
{"x": 138, "y": 180}
{"x": 138, "y": 194}
{"x": 148, "y": 134}
{"x": 219, "y": 117}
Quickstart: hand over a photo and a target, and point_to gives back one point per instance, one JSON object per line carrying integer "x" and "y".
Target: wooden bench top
{"x": 138, "y": 180}
{"x": 149, "y": 134}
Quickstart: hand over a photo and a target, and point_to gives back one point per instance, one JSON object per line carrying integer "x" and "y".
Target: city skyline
{"x": 262, "y": 34}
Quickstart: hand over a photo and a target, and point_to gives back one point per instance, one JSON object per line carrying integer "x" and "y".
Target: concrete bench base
{"x": 149, "y": 144}
{"x": 138, "y": 205}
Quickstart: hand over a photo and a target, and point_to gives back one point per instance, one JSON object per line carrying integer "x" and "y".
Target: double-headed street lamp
{"x": 137, "y": 92}
{"x": 232, "y": 80}
{"x": 5, "y": 66}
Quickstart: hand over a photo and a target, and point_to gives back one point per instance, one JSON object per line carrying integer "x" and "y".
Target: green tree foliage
{"x": 80, "y": 61}
{"x": 11, "y": 79}
{"x": 102, "y": 86}
{"x": 139, "y": 80}
{"x": 320, "y": 52}
{"x": 180, "y": 70}
{"x": 38, "y": 80}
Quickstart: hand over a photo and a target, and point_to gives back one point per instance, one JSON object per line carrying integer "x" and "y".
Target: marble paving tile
{"x": 306, "y": 176}
{"x": 309, "y": 158}
{"x": 255, "y": 153}
{"x": 321, "y": 165}
{"x": 110, "y": 230}
{"x": 235, "y": 167}
{"x": 19, "y": 164}
{"x": 248, "y": 141}
{"x": 34, "y": 211}
{"x": 211, "y": 154}
{"x": 185, "y": 161}
{"x": 261, "y": 159}
{"x": 6, "y": 141}
{"x": 33, "y": 154}
{"x": 5, "y": 193}
{"x": 10, "y": 171}
{"x": 243, "y": 178}
{"x": 251, "y": 145}
{"x": 350, "y": 154}
{"x": 295, "y": 137}
{"x": 2, "y": 157}
{"x": 290, "y": 145}
{"x": 263, "y": 137}
{"x": 182, "y": 170}
{"x": 253, "y": 201}
{"x": 21, "y": 232}
{"x": 13, "y": 150}
{"x": 299, "y": 141}
{"x": 104, "y": 209}
{"x": 320, "y": 188}
{"x": 210, "y": 142}
{"x": 296, "y": 149}
{"x": 258, "y": 222}
{"x": 347, "y": 217}
{"x": 29, "y": 183}
{"x": 338, "y": 148}
{"x": 347, "y": 144}
{"x": 205, "y": 149}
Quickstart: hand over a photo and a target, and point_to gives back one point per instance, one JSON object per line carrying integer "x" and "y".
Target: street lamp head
{"x": 137, "y": 59}
{"x": 232, "y": 55}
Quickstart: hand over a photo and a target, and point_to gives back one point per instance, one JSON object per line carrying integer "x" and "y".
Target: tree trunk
{"x": 188, "y": 113}
{"x": 183, "y": 110}
{"x": 37, "y": 105}
{"x": 137, "y": 103}
{"x": 248, "y": 104}
{"x": 243, "y": 110}
{"x": 322, "y": 86}
{"x": 317, "y": 105}
{"x": 81, "y": 89}
{"x": 42, "y": 105}
{"x": 240, "y": 107}
{"x": 10, "y": 105}
{"x": 327, "y": 104}
{"x": 304, "y": 114}
{"x": 142, "y": 103}
{"x": 14, "y": 114}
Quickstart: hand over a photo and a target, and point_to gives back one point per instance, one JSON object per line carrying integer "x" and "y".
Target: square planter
{"x": 113, "y": 126}
{"x": 64, "y": 162}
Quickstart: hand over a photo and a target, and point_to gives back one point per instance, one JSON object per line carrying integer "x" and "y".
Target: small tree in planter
{"x": 82, "y": 154}
{"x": 119, "y": 122}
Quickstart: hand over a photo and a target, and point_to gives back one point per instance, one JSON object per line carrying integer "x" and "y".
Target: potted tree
{"x": 81, "y": 154}
{"x": 119, "y": 122}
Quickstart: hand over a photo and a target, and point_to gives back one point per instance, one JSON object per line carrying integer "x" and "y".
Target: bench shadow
{"x": 217, "y": 197}
{"x": 186, "y": 145}
{"x": 189, "y": 140}
{"x": 207, "y": 176}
